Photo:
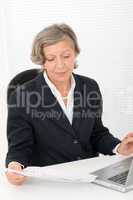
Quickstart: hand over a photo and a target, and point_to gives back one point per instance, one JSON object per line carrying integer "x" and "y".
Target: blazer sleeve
{"x": 102, "y": 140}
{"x": 19, "y": 132}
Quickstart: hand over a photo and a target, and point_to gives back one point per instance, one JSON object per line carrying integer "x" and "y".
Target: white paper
{"x": 51, "y": 174}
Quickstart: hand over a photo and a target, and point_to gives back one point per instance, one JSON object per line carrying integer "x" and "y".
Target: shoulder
{"x": 31, "y": 85}
{"x": 84, "y": 80}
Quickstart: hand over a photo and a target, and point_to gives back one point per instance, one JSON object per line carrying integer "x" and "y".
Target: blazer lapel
{"x": 78, "y": 100}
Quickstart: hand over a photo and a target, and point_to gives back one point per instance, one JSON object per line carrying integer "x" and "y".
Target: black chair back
{"x": 20, "y": 79}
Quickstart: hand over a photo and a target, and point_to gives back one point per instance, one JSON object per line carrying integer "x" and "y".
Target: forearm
{"x": 102, "y": 140}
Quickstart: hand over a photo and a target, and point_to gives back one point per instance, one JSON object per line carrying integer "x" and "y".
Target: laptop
{"x": 117, "y": 176}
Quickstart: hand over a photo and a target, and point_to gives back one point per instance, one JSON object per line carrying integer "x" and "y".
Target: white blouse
{"x": 68, "y": 109}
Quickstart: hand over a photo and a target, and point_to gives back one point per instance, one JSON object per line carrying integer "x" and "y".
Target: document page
{"x": 51, "y": 174}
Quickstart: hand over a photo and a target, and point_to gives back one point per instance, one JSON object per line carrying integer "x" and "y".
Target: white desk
{"x": 37, "y": 189}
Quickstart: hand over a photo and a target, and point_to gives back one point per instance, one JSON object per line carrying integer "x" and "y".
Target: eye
{"x": 50, "y": 59}
{"x": 67, "y": 56}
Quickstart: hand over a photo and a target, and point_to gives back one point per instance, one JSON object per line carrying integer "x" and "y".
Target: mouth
{"x": 60, "y": 73}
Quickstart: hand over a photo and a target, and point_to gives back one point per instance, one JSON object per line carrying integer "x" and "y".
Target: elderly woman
{"x": 60, "y": 121}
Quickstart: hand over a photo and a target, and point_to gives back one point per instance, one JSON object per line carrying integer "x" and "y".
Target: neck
{"x": 63, "y": 87}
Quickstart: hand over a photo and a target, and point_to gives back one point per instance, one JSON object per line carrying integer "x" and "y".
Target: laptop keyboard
{"x": 120, "y": 178}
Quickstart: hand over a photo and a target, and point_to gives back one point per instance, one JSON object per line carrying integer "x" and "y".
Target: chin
{"x": 62, "y": 76}
{"x": 61, "y": 79}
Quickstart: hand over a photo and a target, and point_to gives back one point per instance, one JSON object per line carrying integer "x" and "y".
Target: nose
{"x": 60, "y": 63}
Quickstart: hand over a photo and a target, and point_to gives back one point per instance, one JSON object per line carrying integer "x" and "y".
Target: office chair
{"x": 21, "y": 78}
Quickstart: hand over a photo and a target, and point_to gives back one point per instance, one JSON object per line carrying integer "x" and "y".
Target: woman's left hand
{"x": 126, "y": 146}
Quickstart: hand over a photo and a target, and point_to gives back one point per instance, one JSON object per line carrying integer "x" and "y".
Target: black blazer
{"x": 39, "y": 132}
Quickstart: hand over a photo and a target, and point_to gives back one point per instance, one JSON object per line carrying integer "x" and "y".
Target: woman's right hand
{"x": 14, "y": 178}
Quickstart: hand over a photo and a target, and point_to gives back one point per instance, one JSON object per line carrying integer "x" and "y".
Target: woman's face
{"x": 59, "y": 60}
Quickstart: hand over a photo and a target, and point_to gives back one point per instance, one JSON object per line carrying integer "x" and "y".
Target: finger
{"x": 14, "y": 179}
{"x": 14, "y": 174}
{"x": 17, "y": 182}
{"x": 15, "y": 167}
{"x": 129, "y": 135}
{"x": 128, "y": 140}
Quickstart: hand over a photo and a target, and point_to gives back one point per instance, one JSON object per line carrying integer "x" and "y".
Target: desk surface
{"x": 35, "y": 189}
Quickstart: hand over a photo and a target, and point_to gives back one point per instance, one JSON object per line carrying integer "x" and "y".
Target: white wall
{"x": 105, "y": 32}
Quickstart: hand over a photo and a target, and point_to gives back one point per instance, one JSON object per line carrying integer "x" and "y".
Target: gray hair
{"x": 52, "y": 35}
